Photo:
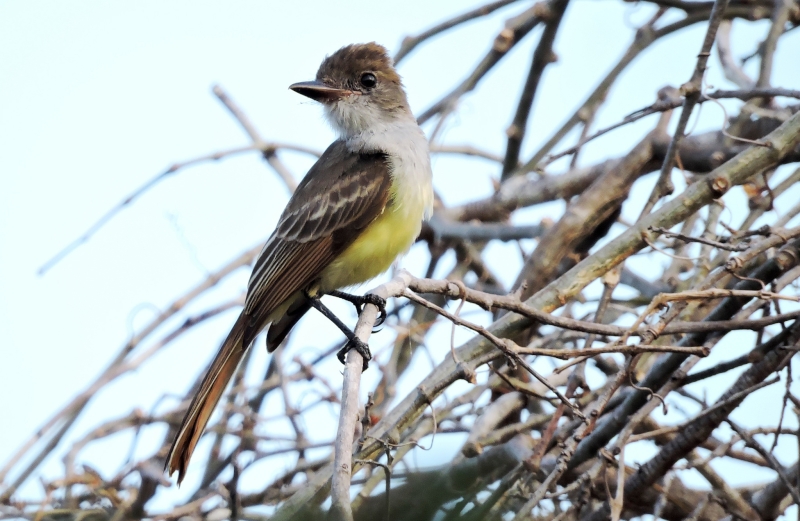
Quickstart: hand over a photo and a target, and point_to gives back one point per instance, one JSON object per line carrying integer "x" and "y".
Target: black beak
{"x": 318, "y": 91}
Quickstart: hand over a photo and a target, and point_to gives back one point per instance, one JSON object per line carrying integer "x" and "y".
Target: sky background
{"x": 98, "y": 97}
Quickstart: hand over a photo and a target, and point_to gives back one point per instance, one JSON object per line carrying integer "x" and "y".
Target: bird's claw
{"x": 360, "y": 346}
{"x": 359, "y": 301}
{"x": 378, "y": 302}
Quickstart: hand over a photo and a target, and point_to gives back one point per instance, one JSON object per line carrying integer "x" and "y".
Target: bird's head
{"x": 359, "y": 88}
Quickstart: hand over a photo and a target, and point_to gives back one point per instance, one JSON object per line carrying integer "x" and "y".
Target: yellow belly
{"x": 376, "y": 249}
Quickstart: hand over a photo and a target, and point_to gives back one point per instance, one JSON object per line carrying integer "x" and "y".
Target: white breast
{"x": 410, "y": 164}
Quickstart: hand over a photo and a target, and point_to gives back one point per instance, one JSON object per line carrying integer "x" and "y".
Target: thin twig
{"x": 691, "y": 91}
{"x": 412, "y": 42}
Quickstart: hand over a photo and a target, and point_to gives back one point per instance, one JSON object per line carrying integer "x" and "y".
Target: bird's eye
{"x": 368, "y": 80}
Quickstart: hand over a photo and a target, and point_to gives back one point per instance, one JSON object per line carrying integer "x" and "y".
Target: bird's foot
{"x": 353, "y": 341}
{"x": 360, "y": 346}
{"x": 360, "y": 300}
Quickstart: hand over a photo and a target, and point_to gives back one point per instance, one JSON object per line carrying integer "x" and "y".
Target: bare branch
{"x": 412, "y": 42}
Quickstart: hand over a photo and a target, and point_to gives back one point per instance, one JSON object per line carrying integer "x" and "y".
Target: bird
{"x": 359, "y": 207}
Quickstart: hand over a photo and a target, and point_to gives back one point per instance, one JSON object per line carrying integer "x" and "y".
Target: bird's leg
{"x": 353, "y": 342}
{"x": 359, "y": 300}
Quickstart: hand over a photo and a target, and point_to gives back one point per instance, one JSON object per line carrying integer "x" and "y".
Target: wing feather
{"x": 341, "y": 194}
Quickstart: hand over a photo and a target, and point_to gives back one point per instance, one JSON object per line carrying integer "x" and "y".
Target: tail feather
{"x": 211, "y": 388}
{"x": 280, "y": 328}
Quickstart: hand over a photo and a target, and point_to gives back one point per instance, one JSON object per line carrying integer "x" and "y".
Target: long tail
{"x": 204, "y": 402}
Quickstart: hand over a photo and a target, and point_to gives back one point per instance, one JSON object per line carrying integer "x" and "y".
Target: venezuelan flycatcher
{"x": 358, "y": 208}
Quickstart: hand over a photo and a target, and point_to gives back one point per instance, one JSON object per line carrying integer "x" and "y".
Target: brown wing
{"x": 341, "y": 194}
